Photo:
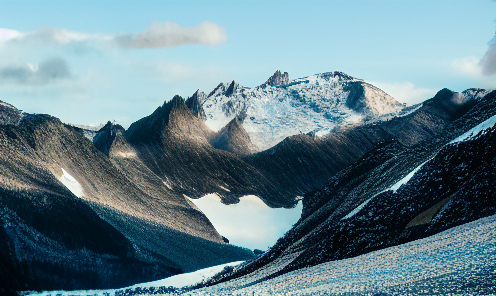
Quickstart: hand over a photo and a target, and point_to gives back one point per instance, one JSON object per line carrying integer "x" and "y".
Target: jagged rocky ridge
{"x": 179, "y": 148}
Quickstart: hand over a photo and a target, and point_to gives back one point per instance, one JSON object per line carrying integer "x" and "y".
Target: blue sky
{"x": 87, "y": 62}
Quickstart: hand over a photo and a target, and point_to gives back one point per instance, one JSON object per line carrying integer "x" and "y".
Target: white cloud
{"x": 480, "y": 71}
{"x": 405, "y": 92}
{"x": 7, "y": 34}
{"x": 488, "y": 62}
{"x": 170, "y": 34}
{"x": 157, "y": 35}
{"x": 50, "y": 36}
{"x": 46, "y": 72}
{"x": 467, "y": 66}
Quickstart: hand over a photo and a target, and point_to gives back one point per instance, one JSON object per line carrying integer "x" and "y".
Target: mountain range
{"x": 85, "y": 209}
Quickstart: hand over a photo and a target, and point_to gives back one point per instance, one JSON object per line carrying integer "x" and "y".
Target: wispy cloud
{"x": 169, "y": 34}
{"x": 488, "y": 62}
{"x": 51, "y": 70}
{"x": 157, "y": 35}
{"x": 405, "y": 92}
{"x": 469, "y": 66}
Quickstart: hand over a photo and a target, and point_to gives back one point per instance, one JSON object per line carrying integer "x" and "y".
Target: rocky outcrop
{"x": 233, "y": 138}
{"x": 276, "y": 79}
{"x": 104, "y": 137}
{"x": 9, "y": 114}
{"x": 194, "y": 104}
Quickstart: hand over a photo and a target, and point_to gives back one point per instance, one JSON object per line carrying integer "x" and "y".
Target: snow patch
{"x": 359, "y": 208}
{"x": 407, "y": 178}
{"x": 71, "y": 184}
{"x": 394, "y": 188}
{"x": 187, "y": 279}
{"x": 489, "y": 123}
{"x": 249, "y": 223}
{"x": 177, "y": 281}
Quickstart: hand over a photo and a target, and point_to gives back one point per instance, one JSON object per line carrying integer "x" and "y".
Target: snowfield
{"x": 71, "y": 183}
{"x": 458, "y": 261}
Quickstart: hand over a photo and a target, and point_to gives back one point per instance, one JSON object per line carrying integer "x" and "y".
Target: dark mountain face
{"x": 396, "y": 193}
{"x": 277, "y": 79}
{"x": 108, "y": 236}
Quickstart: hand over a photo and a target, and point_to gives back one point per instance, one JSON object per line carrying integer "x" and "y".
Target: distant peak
{"x": 277, "y": 79}
{"x": 337, "y": 74}
{"x": 231, "y": 89}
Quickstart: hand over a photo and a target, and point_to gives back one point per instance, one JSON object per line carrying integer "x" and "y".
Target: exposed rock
{"x": 194, "y": 104}
{"x": 276, "y": 79}
{"x": 104, "y": 137}
{"x": 233, "y": 138}
{"x": 9, "y": 114}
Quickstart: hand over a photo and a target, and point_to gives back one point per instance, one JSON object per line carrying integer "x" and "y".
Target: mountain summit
{"x": 277, "y": 79}
{"x": 281, "y": 107}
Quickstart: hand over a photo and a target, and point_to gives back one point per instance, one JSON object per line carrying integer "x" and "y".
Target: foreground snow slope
{"x": 458, "y": 261}
{"x": 461, "y": 260}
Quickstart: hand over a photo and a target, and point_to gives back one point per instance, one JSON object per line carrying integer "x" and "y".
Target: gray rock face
{"x": 194, "y": 104}
{"x": 233, "y": 138}
{"x": 277, "y": 79}
{"x": 9, "y": 114}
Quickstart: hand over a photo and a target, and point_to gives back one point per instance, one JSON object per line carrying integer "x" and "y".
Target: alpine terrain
{"x": 396, "y": 199}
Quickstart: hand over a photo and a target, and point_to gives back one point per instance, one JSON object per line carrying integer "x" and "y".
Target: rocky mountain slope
{"x": 178, "y": 147}
{"x": 397, "y": 193}
{"x": 122, "y": 225}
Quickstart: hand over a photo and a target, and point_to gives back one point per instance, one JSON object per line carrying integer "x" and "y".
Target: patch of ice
{"x": 71, "y": 184}
{"x": 249, "y": 223}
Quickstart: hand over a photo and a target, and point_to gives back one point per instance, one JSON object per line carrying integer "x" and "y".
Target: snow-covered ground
{"x": 71, "y": 183}
{"x": 177, "y": 281}
{"x": 458, "y": 261}
{"x": 250, "y": 223}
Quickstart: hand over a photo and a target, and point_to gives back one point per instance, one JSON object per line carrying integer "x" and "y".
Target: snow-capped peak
{"x": 281, "y": 107}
